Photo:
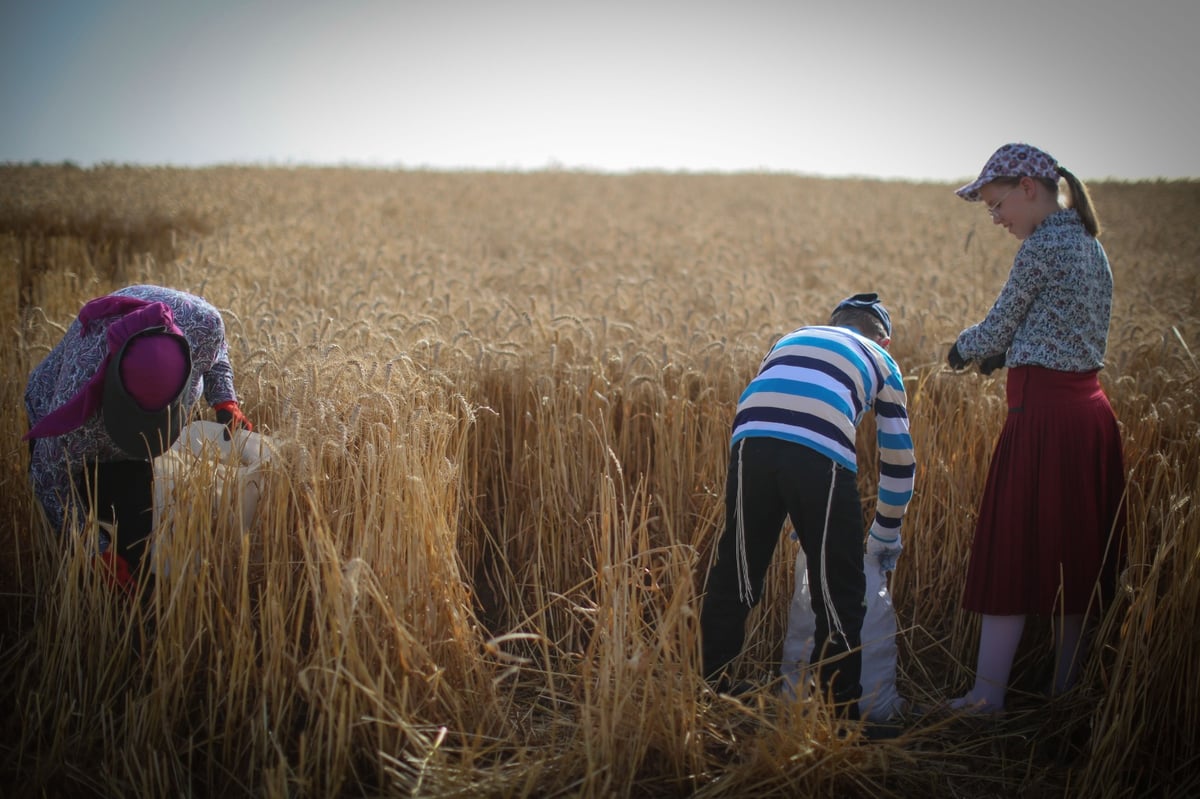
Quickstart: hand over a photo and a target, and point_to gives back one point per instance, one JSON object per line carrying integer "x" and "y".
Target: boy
{"x": 793, "y": 455}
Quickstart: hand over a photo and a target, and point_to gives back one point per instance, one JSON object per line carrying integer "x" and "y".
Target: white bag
{"x": 238, "y": 478}
{"x": 880, "y": 700}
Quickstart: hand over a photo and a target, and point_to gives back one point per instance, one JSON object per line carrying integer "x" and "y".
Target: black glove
{"x": 992, "y": 363}
{"x": 955, "y": 358}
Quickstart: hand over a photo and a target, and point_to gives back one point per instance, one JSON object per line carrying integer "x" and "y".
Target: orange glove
{"x": 116, "y": 572}
{"x": 229, "y": 413}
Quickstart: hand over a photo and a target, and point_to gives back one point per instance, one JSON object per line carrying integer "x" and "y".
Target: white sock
{"x": 998, "y": 640}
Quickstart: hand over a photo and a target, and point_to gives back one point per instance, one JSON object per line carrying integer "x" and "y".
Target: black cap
{"x": 868, "y": 302}
{"x": 139, "y": 433}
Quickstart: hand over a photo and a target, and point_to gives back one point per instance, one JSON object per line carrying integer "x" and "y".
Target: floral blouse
{"x": 56, "y": 461}
{"x": 1054, "y": 309}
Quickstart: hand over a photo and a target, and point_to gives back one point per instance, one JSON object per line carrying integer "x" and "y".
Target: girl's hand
{"x": 955, "y": 358}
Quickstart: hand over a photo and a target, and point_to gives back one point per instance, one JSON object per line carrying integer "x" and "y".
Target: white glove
{"x": 885, "y": 550}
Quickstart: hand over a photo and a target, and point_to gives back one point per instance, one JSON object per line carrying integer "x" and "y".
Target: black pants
{"x": 124, "y": 496}
{"x": 780, "y": 479}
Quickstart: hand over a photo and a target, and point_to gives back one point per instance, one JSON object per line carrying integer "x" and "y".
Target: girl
{"x": 1049, "y": 534}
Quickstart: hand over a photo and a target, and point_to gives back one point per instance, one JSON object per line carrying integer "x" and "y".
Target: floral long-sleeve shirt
{"x": 57, "y": 461}
{"x": 1054, "y": 309}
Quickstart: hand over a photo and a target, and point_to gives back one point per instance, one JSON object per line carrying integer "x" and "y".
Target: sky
{"x": 918, "y": 90}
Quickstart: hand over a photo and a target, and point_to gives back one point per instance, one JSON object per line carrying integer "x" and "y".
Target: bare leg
{"x": 998, "y": 640}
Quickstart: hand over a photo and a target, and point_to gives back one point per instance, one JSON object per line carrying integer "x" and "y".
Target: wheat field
{"x": 501, "y": 405}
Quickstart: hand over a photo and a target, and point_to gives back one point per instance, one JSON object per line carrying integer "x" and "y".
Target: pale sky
{"x": 921, "y": 90}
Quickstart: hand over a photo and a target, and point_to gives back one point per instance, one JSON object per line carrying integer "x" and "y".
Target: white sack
{"x": 237, "y": 479}
{"x": 880, "y": 700}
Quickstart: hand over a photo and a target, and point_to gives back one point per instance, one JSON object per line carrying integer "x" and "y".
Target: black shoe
{"x": 882, "y": 730}
{"x": 736, "y": 689}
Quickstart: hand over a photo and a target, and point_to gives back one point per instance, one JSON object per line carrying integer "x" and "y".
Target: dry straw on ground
{"x": 501, "y": 403}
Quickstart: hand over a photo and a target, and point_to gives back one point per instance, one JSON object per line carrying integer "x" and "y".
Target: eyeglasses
{"x": 994, "y": 208}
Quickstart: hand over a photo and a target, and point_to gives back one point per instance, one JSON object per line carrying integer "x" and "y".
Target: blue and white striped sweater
{"x": 813, "y": 388}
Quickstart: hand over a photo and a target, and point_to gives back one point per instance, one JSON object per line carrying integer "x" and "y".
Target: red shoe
{"x": 116, "y": 572}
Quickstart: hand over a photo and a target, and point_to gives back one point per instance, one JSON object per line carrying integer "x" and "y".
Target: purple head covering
{"x": 154, "y": 369}
{"x": 136, "y": 316}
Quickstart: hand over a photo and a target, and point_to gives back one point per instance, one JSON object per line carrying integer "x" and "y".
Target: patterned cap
{"x": 868, "y": 302}
{"x": 1011, "y": 161}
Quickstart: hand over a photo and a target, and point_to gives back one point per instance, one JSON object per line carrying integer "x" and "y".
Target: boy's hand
{"x": 887, "y": 552}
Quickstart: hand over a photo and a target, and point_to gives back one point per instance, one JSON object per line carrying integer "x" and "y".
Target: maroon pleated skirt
{"x": 1050, "y": 534}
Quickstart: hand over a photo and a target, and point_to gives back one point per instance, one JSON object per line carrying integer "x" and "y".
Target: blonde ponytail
{"x": 1081, "y": 201}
